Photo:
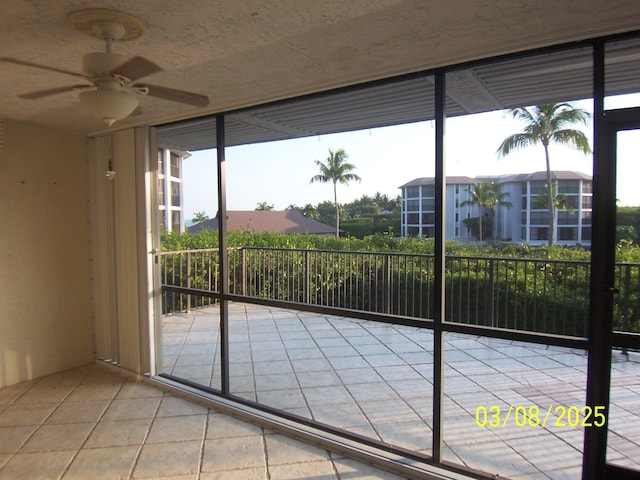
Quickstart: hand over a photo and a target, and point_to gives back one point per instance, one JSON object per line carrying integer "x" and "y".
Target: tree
{"x": 264, "y": 207}
{"x": 336, "y": 170}
{"x": 486, "y": 195}
{"x": 308, "y": 210}
{"x": 546, "y": 124}
{"x": 200, "y": 217}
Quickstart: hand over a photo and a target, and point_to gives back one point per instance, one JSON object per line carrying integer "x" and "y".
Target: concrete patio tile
{"x": 332, "y": 352}
{"x": 166, "y": 459}
{"x": 354, "y": 362}
{"x": 384, "y": 360}
{"x": 299, "y": 344}
{"x": 494, "y": 458}
{"x": 398, "y": 372}
{"x": 37, "y": 466}
{"x": 537, "y": 451}
{"x": 412, "y": 388}
{"x": 173, "y": 406}
{"x": 388, "y": 411}
{"x": 479, "y": 371}
{"x": 417, "y": 358}
{"x": 102, "y": 463}
{"x": 372, "y": 349}
{"x": 365, "y": 392}
{"x": 318, "y": 379}
{"x": 406, "y": 346}
{"x": 337, "y": 341}
{"x": 310, "y": 365}
{"x": 416, "y": 435}
{"x": 303, "y": 349}
{"x": 78, "y": 413}
{"x": 327, "y": 395}
{"x": 351, "y": 376}
{"x": 44, "y": 394}
{"x": 293, "y": 332}
{"x": 191, "y": 372}
{"x": 278, "y": 381}
{"x": 259, "y": 473}
{"x": 177, "y": 429}
{"x": 49, "y": 438}
{"x": 225, "y": 426}
{"x": 16, "y": 415}
{"x": 198, "y": 359}
{"x": 348, "y": 468}
{"x": 129, "y": 409}
{"x": 347, "y": 415}
{"x": 282, "y": 399}
{"x": 119, "y": 433}
{"x": 88, "y": 393}
{"x": 248, "y": 453}
{"x": 12, "y": 438}
{"x": 363, "y": 338}
{"x": 269, "y": 355}
{"x": 319, "y": 470}
{"x": 276, "y": 366}
{"x": 282, "y": 450}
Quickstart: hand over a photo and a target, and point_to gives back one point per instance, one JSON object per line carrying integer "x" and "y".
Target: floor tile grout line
{"x": 96, "y": 423}
{"x": 44, "y": 420}
{"x": 143, "y": 442}
{"x": 203, "y": 444}
{"x": 265, "y": 452}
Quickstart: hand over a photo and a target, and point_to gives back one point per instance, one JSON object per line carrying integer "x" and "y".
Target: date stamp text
{"x": 533, "y": 416}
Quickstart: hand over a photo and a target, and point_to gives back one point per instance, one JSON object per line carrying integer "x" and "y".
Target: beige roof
{"x": 267, "y": 221}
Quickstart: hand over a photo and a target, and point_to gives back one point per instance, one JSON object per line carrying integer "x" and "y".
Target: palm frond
{"x": 516, "y": 141}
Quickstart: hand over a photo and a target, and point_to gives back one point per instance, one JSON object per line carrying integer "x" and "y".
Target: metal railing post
{"x": 243, "y": 270}
{"x": 492, "y": 293}
{"x": 306, "y": 279}
{"x": 188, "y": 309}
{"x": 386, "y": 285}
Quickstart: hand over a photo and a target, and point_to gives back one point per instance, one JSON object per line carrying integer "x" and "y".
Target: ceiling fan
{"x": 111, "y": 93}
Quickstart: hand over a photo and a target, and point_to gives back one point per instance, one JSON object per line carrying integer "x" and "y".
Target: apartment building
{"x": 525, "y": 220}
{"x": 170, "y": 189}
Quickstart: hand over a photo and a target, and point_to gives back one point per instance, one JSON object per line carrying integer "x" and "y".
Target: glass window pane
{"x": 507, "y": 404}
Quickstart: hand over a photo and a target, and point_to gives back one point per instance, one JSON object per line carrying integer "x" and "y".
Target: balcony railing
{"x": 534, "y": 295}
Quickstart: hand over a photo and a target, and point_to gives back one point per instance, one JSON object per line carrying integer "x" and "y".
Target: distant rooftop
{"x": 267, "y": 221}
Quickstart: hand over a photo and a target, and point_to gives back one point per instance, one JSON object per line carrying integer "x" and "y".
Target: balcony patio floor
{"x": 375, "y": 380}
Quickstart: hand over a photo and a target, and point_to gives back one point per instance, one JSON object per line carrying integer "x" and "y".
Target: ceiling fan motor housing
{"x": 100, "y": 64}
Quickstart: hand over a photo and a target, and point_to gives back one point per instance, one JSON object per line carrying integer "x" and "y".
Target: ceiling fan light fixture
{"x": 109, "y": 105}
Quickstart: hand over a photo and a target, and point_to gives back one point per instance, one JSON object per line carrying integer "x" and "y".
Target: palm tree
{"x": 486, "y": 195}
{"x": 547, "y": 124}
{"x": 200, "y": 217}
{"x": 336, "y": 170}
{"x": 264, "y": 207}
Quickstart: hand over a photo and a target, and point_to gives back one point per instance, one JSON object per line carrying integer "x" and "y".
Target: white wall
{"x": 45, "y": 304}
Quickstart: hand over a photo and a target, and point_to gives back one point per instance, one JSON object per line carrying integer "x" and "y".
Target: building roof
{"x": 555, "y": 175}
{"x": 267, "y": 221}
{"x": 518, "y": 177}
{"x": 452, "y": 180}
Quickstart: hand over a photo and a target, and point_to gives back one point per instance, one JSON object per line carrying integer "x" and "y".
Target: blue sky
{"x": 279, "y": 172}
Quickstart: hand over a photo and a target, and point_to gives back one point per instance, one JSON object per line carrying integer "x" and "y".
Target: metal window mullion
{"x": 223, "y": 255}
{"x": 439, "y": 282}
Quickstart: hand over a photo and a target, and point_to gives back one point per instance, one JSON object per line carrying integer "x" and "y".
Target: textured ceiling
{"x": 241, "y": 53}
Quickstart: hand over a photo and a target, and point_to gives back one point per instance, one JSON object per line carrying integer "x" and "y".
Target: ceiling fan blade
{"x": 136, "y": 68}
{"x": 51, "y": 91}
{"x": 176, "y": 95}
{"x": 15, "y": 61}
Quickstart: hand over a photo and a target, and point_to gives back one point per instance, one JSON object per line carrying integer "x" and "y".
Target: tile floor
{"x": 91, "y": 423}
{"x": 376, "y": 380}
